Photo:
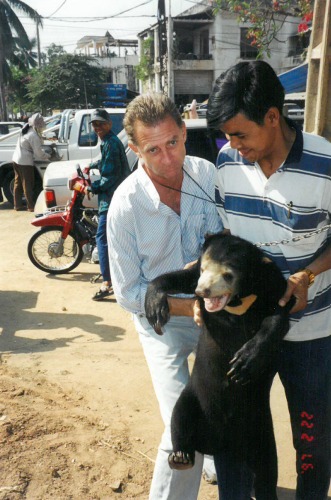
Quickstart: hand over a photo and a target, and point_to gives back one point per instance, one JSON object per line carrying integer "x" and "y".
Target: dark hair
{"x": 250, "y": 88}
{"x": 151, "y": 109}
{"x": 25, "y": 129}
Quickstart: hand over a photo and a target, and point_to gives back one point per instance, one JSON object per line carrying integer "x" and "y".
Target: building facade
{"x": 202, "y": 46}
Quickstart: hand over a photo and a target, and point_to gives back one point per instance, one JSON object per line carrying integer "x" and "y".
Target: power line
{"x": 57, "y": 10}
{"x": 101, "y": 18}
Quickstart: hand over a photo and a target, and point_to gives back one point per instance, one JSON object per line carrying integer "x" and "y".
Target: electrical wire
{"x": 57, "y": 10}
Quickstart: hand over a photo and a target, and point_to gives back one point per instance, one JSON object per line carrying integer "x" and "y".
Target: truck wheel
{"x": 8, "y": 187}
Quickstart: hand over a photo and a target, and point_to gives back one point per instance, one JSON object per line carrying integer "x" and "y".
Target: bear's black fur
{"x": 225, "y": 405}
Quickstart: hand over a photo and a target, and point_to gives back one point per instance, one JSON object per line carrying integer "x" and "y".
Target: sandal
{"x": 103, "y": 292}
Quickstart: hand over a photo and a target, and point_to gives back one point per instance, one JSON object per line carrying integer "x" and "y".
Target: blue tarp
{"x": 295, "y": 79}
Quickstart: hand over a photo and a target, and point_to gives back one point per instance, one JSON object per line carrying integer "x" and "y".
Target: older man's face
{"x": 161, "y": 148}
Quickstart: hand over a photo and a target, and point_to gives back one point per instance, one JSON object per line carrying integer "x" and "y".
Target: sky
{"x": 66, "y": 21}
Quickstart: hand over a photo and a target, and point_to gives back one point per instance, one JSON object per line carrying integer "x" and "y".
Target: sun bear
{"x": 226, "y": 402}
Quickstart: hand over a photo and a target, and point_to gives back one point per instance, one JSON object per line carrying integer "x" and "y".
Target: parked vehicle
{"x": 296, "y": 113}
{"x": 9, "y": 127}
{"x": 199, "y": 143}
{"x": 72, "y": 137}
{"x": 57, "y": 247}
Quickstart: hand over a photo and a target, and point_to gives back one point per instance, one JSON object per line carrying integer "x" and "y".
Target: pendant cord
{"x": 210, "y": 199}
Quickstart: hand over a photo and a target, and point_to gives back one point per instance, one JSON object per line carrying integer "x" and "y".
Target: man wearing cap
{"x": 114, "y": 168}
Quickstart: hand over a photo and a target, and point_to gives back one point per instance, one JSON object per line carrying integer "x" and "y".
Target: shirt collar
{"x": 296, "y": 150}
{"x": 107, "y": 136}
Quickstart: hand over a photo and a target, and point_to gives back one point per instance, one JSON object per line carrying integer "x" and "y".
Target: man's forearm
{"x": 322, "y": 263}
{"x": 181, "y": 307}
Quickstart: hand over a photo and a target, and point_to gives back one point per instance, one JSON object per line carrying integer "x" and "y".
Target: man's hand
{"x": 190, "y": 264}
{"x": 297, "y": 285}
{"x": 78, "y": 186}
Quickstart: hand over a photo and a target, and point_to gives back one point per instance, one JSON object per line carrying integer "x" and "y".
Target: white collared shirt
{"x": 146, "y": 238}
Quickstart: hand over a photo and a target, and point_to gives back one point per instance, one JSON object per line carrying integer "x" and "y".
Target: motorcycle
{"x": 66, "y": 233}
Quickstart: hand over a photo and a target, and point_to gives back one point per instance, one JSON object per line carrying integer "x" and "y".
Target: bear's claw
{"x": 180, "y": 460}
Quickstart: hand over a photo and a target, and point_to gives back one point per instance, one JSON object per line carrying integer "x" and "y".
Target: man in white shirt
{"x": 157, "y": 222}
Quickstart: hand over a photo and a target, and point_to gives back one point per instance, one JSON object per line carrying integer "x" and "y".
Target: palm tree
{"x": 13, "y": 39}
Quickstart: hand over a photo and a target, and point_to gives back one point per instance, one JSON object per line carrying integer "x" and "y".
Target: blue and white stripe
{"x": 292, "y": 202}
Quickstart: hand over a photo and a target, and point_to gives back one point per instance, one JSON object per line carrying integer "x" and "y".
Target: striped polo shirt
{"x": 292, "y": 202}
{"x": 146, "y": 238}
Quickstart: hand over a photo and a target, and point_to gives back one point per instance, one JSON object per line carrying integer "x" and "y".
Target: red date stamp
{"x": 307, "y": 424}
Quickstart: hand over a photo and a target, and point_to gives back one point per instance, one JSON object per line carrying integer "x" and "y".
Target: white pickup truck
{"x": 71, "y": 134}
{"x": 199, "y": 142}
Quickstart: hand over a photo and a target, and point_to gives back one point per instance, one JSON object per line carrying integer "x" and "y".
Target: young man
{"x": 156, "y": 223}
{"x": 274, "y": 186}
{"x": 114, "y": 168}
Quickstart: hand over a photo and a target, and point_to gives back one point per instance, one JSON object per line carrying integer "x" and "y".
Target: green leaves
{"x": 62, "y": 83}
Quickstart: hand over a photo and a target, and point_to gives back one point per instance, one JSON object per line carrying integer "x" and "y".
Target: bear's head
{"x": 229, "y": 271}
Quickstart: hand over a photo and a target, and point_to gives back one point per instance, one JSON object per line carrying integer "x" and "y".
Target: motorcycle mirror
{"x": 79, "y": 171}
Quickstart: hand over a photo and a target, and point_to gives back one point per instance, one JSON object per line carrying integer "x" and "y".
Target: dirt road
{"x": 78, "y": 416}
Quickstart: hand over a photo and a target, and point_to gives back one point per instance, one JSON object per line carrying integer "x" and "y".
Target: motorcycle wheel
{"x": 41, "y": 251}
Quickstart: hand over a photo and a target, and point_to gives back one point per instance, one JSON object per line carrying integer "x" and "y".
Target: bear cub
{"x": 225, "y": 406}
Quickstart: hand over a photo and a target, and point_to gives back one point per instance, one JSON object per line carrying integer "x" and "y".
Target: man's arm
{"x": 298, "y": 282}
{"x": 181, "y": 307}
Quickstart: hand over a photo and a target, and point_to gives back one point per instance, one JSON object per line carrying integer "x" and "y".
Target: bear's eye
{"x": 228, "y": 277}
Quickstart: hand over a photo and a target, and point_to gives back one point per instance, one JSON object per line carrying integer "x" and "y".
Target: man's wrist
{"x": 181, "y": 307}
{"x": 310, "y": 275}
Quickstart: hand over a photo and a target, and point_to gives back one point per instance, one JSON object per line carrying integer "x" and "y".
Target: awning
{"x": 295, "y": 79}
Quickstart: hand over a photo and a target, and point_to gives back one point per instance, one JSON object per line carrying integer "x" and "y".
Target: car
{"x": 293, "y": 111}
{"x": 9, "y": 127}
{"x": 199, "y": 142}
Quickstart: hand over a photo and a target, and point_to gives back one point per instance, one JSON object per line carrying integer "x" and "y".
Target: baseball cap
{"x": 100, "y": 115}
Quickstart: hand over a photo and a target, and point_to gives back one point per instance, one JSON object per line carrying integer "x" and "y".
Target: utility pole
{"x": 162, "y": 38}
{"x": 38, "y": 44}
{"x": 170, "y": 45}
{"x": 318, "y": 93}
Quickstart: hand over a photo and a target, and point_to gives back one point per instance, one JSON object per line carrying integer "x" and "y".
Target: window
{"x": 87, "y": 136}
{"x": 204, "y": 143}
{"x": 247, "y": 51}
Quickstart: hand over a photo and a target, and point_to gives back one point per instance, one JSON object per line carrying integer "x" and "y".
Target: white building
{"x": 118, "y": 57}
{"x": 202, "y": 46}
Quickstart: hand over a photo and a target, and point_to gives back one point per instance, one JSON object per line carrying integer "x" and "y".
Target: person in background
{"x": 273, "y": 184}
{"x": 114, "y": 168}
{"x": 157, "y": 223}
{"x": 28, "y": 149}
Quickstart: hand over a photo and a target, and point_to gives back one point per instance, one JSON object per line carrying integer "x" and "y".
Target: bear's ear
{"x": 208, "y": 235}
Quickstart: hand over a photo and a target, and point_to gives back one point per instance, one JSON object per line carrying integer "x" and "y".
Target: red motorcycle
{"x": 66, "y": 232}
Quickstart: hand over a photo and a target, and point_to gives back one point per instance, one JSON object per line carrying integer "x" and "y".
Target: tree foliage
{"x": 67, "y": 81}
{"x": 15, "y": 46}
{"x": 266, "y": 18}
{"x": 17, "y": 97}
{"x": 145, "y": 67}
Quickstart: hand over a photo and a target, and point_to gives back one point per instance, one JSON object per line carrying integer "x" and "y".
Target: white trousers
{"x": 167, "y": 359}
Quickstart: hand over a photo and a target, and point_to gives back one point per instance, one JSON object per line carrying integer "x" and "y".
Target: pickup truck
{"x": 69, "y": 135}
{"x": 199, "y": 142}
{"x": 8, "y": 127}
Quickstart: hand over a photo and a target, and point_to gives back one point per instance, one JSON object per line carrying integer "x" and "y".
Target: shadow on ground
{"x": 18, "y": 314}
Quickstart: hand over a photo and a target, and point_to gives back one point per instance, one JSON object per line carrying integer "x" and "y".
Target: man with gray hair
{"x": 157, "y": 223}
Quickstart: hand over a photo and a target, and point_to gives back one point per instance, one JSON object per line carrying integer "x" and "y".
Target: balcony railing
{"x": 192, "y": 57}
